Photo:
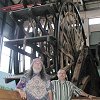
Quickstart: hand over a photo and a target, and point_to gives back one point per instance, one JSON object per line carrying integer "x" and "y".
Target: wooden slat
{"x": 9, "y": 95}
{"x": 30, "y": 40}
{"x": 79, "y": 63}
{"x": 13, "y": 95}
{"x": 84, "y": 98}
{"x": 85, "y": 80}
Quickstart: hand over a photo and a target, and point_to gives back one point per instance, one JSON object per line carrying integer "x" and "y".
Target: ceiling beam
{"x": 81, "y": 2}
{"x": 78, "y": 1}
{"x": 84, "y": 5}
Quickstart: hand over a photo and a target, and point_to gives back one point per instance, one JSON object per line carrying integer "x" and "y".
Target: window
{"x": 5, "y": 57}
{"x": 27, "y": 60}
{"x": 94, "y": 21}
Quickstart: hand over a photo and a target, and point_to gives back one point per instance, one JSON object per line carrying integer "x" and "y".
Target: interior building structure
{"x": 65, "y": 35}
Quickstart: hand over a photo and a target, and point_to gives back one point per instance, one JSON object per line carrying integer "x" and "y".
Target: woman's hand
{"x": 22, "y": 93}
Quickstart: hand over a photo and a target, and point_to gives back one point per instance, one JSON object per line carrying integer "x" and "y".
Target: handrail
{"x": 85, "y": 98}
{"x": 14, "y": 95}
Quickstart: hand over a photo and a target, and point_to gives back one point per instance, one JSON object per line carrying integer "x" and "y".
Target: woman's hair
{"x": 42, "y": 72}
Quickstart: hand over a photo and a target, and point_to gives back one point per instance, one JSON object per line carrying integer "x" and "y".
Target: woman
{"x": 35, "y": 85}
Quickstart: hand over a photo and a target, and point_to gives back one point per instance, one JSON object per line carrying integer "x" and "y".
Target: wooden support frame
{"x": 12, "y": 44}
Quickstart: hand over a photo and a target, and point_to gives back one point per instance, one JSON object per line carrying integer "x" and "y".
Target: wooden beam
{"x": 13, "y": 95}
{"x": 79, "y": 1}
{"x": 19, "y": 50}
{"x": 84, "y": 98}
{"x": 9, "y": 95}
{"x": 29, "y": 40}
{"x": 79, "y": 63}
{"x": 85, "y": 80}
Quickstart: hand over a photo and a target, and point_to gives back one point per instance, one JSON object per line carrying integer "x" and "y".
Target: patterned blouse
{"x": 36, "y": 88}
{"x": 64, "y": 91}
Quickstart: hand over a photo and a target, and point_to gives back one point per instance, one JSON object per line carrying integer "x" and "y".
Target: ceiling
{"x": 85, "y": 5}
{"x": 90, "y": 5}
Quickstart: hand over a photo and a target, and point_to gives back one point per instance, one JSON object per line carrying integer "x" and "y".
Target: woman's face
{"x": 37, "y": 65}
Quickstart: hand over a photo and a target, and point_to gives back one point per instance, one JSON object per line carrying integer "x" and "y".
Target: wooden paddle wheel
{"x": 58, "y": 36}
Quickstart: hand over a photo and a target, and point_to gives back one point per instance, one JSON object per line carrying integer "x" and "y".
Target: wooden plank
{"x": 85, "y": 80}
{"x": 13, "y": 95}
{"x": 79, "y": 63}
{"x": 29, "y": 40}
{"x": 9, "y": 95}
{"x": 84, "y": 98}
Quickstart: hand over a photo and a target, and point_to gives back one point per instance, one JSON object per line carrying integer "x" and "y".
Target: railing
{"x": 84, "y": 98}
{"x": 9, "y": 95}
{"x": 13, "y": 95}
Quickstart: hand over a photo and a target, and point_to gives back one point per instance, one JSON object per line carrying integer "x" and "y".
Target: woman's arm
{"x": 49, "y": 89}
{"x": 20, "y": 90}
{"x": 21, "y": 85}
{"x": 50, "y": 95}
{"x": 22, "y": 93}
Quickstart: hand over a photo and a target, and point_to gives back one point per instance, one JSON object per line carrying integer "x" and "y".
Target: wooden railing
{"x": 9, "y": 95}
{"x": 13, "y": 95}
{"x": 84, "y": 98}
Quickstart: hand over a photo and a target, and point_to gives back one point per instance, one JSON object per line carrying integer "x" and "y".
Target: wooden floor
{"x": 13, "y": 95}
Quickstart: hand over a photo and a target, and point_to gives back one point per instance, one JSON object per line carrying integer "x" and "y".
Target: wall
{"x": 92, "y": 31}
{"x": 92, "y": 28}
